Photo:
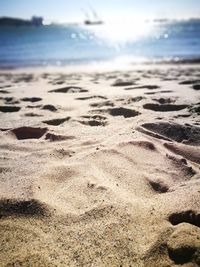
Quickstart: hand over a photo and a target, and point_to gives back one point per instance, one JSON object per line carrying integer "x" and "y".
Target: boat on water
{"x": 92, "y": 22}
{"x": 92, "y": 18}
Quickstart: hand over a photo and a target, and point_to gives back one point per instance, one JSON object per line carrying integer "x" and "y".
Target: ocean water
{"x": 75, "y": 44}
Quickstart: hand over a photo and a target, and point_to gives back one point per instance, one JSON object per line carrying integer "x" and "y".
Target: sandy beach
{"x": 100, "y": 168}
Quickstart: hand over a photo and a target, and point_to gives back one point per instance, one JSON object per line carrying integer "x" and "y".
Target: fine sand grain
{"x": 100, "y": 169}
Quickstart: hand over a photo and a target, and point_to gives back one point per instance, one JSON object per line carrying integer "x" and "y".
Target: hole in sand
{"x": 9, "y": 207}
{"x": 196, "y": 87}
{"x": 158, "y": 186}
{"x": 185, "y": 217}
{"x": 181, "y": 255}
{"x": 29, "y": 132}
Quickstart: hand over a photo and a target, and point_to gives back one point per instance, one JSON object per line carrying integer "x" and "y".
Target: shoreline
{"x": 103, "y": 67}
{"x": 113, "y": 64}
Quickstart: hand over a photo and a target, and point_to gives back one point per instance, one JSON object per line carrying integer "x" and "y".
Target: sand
{"x": 100, "y": 168}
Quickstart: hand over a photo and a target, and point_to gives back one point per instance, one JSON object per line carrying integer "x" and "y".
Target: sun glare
{"x": 122, "y": 33}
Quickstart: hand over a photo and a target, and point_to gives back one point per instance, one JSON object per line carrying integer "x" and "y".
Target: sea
{"x": 72, "y": 44}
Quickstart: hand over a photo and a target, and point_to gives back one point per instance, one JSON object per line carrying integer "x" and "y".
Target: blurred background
{"x": 64, "y": 32}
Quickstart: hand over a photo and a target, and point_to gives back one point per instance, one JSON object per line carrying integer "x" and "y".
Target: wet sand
{"x": 100, "y": 168}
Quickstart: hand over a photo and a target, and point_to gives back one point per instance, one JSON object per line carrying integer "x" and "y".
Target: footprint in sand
{"x": 195, "y": 109}
{"x": 56, "y": 122}
{"x": 7, "y": 99}
{"x": 5, "y": 86}
{"x": 125, "y": 112}
{"x": 161, "y": 92}
{"x": 164, "y": 107}
{"x": 187, "y": 134}
{"x": 22, "y": 208}
{"x": 37, "y": 106}
{"x": 149, "y": 87}
{"x": 196, "y": 87}
{"x": 189, "y": 82}
{"x": 163, "y": 101}
{"x": 95, "y": 120}
{"x": 31, "y": 114}
{"x": 31, "y": 99}
{"x": 161, "y": 185}
{"x": 130, "y": 100}
{"x": 134, "y": 99}
{"x": 57, "y": 82}
{"x": 158, "y": 185}
{"x": 102, "y": 104}
{"x": 121, "y": 83}
{"x": 69, "y": 89}
{"x": 27, "y": 78}
{"x": 150, "y": 93}
{"x": 165, "y": 91}
{"x": 24, "y": 133}
{"x": 91, "y": 97}
{"x": 10, "y": 100}
{"x": 183, "y": 245}
{"x": 56, "y": 137}
{"x": 7, "y": 109}
{"x": 188, "y": 216}
{"x": 188, "y": 152}
{"x": 181, "y": 163}
{"x": 4, "y": 92}
{"x": 50, "y": 108}
{"x": 28, "y": 132}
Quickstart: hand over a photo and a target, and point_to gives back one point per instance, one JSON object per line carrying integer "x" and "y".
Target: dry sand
{"x": 100, "y": 169}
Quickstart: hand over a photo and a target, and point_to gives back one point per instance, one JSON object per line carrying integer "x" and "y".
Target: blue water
{"x": 63, "y": 45}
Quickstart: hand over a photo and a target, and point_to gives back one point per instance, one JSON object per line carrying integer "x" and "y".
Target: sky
{"x": 73, "y": 10}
